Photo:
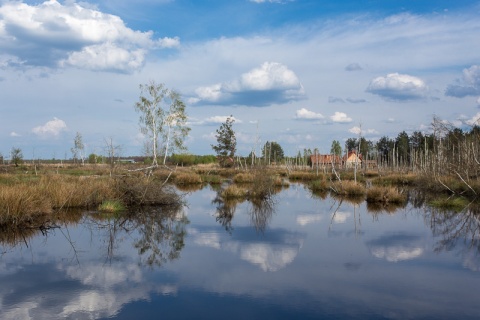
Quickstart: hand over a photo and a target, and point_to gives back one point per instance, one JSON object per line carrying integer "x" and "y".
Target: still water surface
{"x": 299, "y": 257}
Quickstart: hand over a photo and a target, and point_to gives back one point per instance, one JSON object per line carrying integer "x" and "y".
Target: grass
{"x": 23, "y": 200}
{"x": 234, "y": 192}
{"x": 244, "y": 177}
{"x": 385, "y": 195}
{"x": 186, "y": 178}
{"x": 456, "y": 204}
{"x": 348, "y": 188}
{"x": 111, "y": 206}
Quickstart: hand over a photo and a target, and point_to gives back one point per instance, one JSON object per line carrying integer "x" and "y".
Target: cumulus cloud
{"x": 474, "y": 121}
{"x": 271, "y": 83}
{"x": 304, "y": 114}
{"x": 358, "y": 130}
{"x": 469, "y": 85}
{"x": 14, "y": 134}
{"x": 51, "y": 128}
{"x": 340, "y": 117}
{"x": 398, "y": 87}
{"x": 73, "y": 34}
{"x": 220, "y": 119}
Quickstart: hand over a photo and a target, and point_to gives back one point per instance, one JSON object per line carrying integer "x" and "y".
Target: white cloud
{"x": 478, "y": 101}
{"x": 51, "y": 128}
{"x": 14, "y": 134}
{"x": 304, "y": 114}
{"x": 169, "y": 42}
{"x": 271, "y": 83}
{"x": 305, "y": 219}
{"x": 106, "y": 56}
{"x": 268, "y": 257}
{"x": 397, "y": 253}
{"x": 74, "y": 34}
{"x": 398, "y": 87}
{"x": 341, "y": 217}
{"x": 358, "y": 130}
{"x": 469, "y": 85}
{"x": 341, "y": 117}
{"x": 475, "y": 120}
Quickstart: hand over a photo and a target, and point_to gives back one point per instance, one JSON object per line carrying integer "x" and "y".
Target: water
{"x": 299, "y": 257}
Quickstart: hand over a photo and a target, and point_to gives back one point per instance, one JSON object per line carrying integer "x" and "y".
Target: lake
{"x": 299, "y": 256}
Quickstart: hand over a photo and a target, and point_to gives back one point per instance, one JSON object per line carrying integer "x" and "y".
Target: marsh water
{"x": 301, "y": 256}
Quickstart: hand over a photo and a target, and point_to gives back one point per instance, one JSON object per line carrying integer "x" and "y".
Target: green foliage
{"x": 226, "y": 143}
{"x": 112, "y": 206}
{"x": 17, "y": 156}
{"x": 78, "y": 150}
{"x": 272, "y": 151}
{"x": 336, "y": 148}
{"x": 162, "y": 115}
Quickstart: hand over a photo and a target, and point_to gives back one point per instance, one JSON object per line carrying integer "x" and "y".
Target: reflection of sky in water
{"x": 307, "y": 263}
{"x": 396, "y": 247}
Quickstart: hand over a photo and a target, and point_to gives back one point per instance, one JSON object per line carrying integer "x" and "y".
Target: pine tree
{"x": 226, "y": 143}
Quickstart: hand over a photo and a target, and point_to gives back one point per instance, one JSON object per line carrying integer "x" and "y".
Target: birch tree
{"x": 162, "y": 119}
{"x": 78, "y": 149}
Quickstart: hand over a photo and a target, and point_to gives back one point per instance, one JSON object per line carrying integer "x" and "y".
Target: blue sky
{"x": 298, "y": 72}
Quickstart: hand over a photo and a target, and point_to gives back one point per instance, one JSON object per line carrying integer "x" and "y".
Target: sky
{"x": 299, "y": 72}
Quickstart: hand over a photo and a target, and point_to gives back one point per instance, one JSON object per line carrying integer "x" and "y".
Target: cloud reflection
{"x": 271, "y": 254}
{"x": 396, "y": 247}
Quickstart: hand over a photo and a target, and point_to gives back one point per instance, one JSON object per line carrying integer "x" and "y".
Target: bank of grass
{"x": 456, "y": 204}
{"x": 111, "y": 206}
{"x": 386, "y": 195}
{"x": 348, "y": 188}
{"x": 186, "y": 178}
{"x": 396, "y": 179}
{"x": 24, "y": 201}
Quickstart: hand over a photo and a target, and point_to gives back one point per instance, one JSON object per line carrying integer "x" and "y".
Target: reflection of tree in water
{"x": 455, "y": 228}
{"x": 261, "y": 212}
{"x": 161, "y": 232}
{"x": 12, "y": 236}
{"x": 225, "y": 211}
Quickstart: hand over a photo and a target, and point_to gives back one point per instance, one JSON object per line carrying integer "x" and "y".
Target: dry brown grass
{"x": 24, "y": 200}
{"x": 303, "y": 176}
{"x": 234, "y": 192}
{"x": 244, "y": 177}
{"x": 385, "y": 195}
{"x": 348, "y": 188}
{"x": 185, "y": 178}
